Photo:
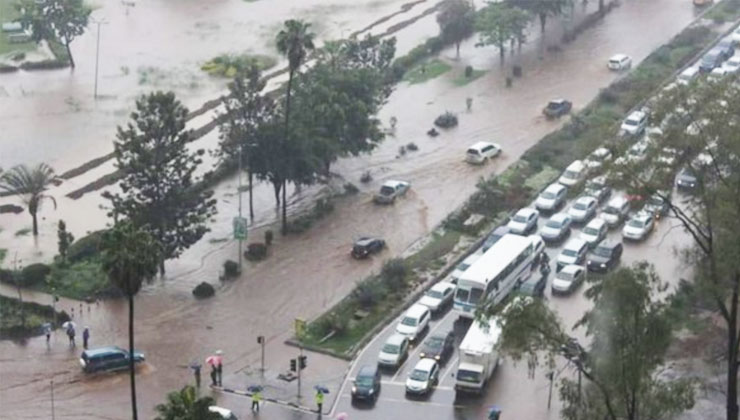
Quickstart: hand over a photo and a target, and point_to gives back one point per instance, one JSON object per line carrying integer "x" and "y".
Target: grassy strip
{"x": 13, "y": 312}
{"x": 461, "y": 79}
{"x": 9, "y": 13}
{"x": 229, "y": 65}
{"x": 426, "y": 71}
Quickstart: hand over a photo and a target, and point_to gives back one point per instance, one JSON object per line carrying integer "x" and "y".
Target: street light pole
{"x": 298, "y": 366}
{"x": 97, "y": 54}
{"x": 52, "y": 399}
{"x": 239, "y": 193}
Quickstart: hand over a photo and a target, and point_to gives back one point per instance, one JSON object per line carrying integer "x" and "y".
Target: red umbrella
{"x": 214, "y": 360}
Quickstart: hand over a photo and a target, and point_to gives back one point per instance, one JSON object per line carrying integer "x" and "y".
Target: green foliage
{"x": 34, "y": 274}
{"x": 426, "y": 71}
{"x": 302, "y": 223}
{"x": 230, "y": 66}
{"x": 204, "y": 290}
{"x": 256, "y": 252}
{"x": 29, "y": 183}
{"x": 446, "y": 120}
{"x": 540, "y": 8}
{"x": 157, "y": 190}
{"x": 82, "y": 280}
{"x": 23, "y": 232}
{"x": 269, "y": 237}
{"x": 499, "y": 24}
{"x": 438, "y": 246}
{"x": 52, "y": 20}
{"x": 25, "y": 319}
{"x": 3, "y": 254}
{"x": 86, "y": 247}
{"x": 231, "y": 268}
{"x": 186, "y": 405}
{"x": 65, "y": 239}
{"x": 394, "y": 274}
{"x": 130, "y": 256}
{"x": 456, "y": 20}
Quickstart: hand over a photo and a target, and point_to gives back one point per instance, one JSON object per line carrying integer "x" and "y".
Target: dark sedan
{"x": 365, "y": 246}
{"x": 605, "y": 256}
{"x": 557, "y": 108}
{"x": 686, "y": 179}
{"x": 438, "y": 347}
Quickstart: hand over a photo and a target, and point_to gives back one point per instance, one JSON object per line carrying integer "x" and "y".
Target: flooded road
{"x": 304, "y": 275}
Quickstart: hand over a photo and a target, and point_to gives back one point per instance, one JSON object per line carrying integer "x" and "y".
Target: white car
{"x": 583, "y": 209}
{"x": 423, "y": 377}
{"x": 482, "y": 151}
{"x": 225, "y": 413}
{"x": 552, "y": 197}
{"x": 639, "y": 226}
{"x": 464, "y": 265}
{"x": 524, "y": 221}
{"x": 573, "y": 174}
{"x": 597, "y": 158}
{"x": 732, "y": 65}
{"x": 414, "y": 321}
{"x": 616, "y": 211}
{"x": 687, "y": 76}
{"x": 574, "y": 252}
{"x": 619, "y": 62}
{"x": 390, "y": 190}
{"x": 557, "y": 228}
{"x": 594, "y": 231}
{"x": 568, "y": 279}
{"x": 635, "y": 123}
{"x": 438, "y": 296}
{"x": 717, "y": 74}
{"x": 394, "y": 351}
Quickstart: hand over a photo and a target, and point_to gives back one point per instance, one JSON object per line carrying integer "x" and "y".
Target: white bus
{"x": 493, "y": 276}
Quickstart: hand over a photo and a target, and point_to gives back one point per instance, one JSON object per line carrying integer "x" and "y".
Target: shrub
{"x": 368, "y": 293}
{"x": 204, "y": 290}
{"x": 4, "y": 68}
{"x": 338, "y": 323}
{"x": 231, "y": 268}
{"x": 34, "y": 274}
{"x": 268, "y": 237}
{"x": 412, "y": 147}
{"x": 468, "y": 71}
{"x": 402, "y": 151}
{"x": 256, "y": 252}
{"x": 85, "y": 247}
{"x": 44, "y": 65}
{"x": 446, "y": 120}
{"x": 394, "y": 273}
{"x": 350, "y": 189}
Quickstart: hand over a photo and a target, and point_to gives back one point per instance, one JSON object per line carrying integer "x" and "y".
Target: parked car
{"x": 638, "y": 151}
{"x": 107, "y": 359}
{"x": 656, "y": 205}
{"x": 524, "y": 221}
{"x": 414, "y": 321}
{"x": 686, "y": 179}
{"x": 225, "y": 413}
{"x": 687, "y": 76}
{"x": 482, "y": 151}
{"x": 615, "y": 211}
{"x": 711, "y": 59}
{"x": 573, "y": 174}
{"x": 735, "y": 37}
{"x": 594, "y": 232}
{"x": 583, "y": 209}
{"x": 423, "y": 378}
{"x": 639, "y": 226}
{"x": 726, "y": 47}
{"x": 438, "y": 296}
{"x": 635, "y": 123}
{"x": 366, "y": 385}
{"x": 390, "y": 190}
{"x": 557, "y": 228}
{"x": 568, "y": 279}
{"x": 464, "y": 265}
{"x": 732, "y": 65}
{"x": 497, "y": 234}
{"x": 534, "y": 285}
{"x": 598, "y": 188}
{"x": 367, "y": 245}
{"x": 552, "y": 197}
{"x": 574, "y": 252}
{"x": 717, "y": 74}
{"x": 605, "y": 256}
{"x": 598, "y": 158}
{"x": 557, "y": 108}
{"x": 394, "y": 351}
{"x": 438, "y": 347}
{"x": 619, "y": 62}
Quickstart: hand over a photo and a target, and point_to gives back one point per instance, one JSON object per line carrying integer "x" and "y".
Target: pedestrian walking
{"x": 196, "y": 372}
{"x": 71, "y": 335}
{"x": 47, "y": 332}
{"x": 85, "y": 337}
{"x": 531, "y": 366}
{"x": 216, "y": 362}
{"x": 256, "y": 398}
{"x": 319, "y": 397}
{"x": 469, "y": 103}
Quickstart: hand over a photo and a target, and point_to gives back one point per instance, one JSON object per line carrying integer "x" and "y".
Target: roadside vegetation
{"x": 20, "y": 319}
{"x": 229, "y": 65}
{"x": 425, "y": 71}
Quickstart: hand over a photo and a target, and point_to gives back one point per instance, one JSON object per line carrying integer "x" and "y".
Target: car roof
{"x": 571, "y": 268}
{"x": 365, "y": 240}
{"x": 596, "y": 222}
{"x": 224, "y": 412}
{"x": 643, "y": 215}
{"x": 103, "y": 350}
{"x": 367, "y": 370}
{"x": 425, "y": 364}
{"x": 501, "y": 230}
{"x": 637, "y": 114}
{"x": 442, "y": 286}
{"x": 585, "y": 198}
{"x": 618, "y": 56}
{"x": 416, "y": 310}
{"x": 527, "y": 211}
{"x": 617, "y": 201}
{"x": 396, "y": 339}
{"x": 558, "y": 101}
{"x": 554, "y": 188}
{"x": 576, "y": 165}
{"x": 608, "y": 243}
{"x": 575, "y": 243}
{"x": 601, "y": 151}
{"x": 559, "y": 217}
{"x": 482, "y": 144}
{"x": 392, "y": 183}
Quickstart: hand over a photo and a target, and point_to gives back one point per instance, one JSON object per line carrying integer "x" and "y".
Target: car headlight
{"x": 371, "y": 391}
{"x": 603, "y": 265}
{"x": 354, "y": 389}
{"x": 436, "y": 357}
{"x": 422, "y": 355}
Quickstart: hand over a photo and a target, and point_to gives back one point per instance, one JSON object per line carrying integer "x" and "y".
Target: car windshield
{"x": 411, "y": 322}
{"x": 570, "y": 252}
{"x": 637, "y": 223}
{"x": 520, "y": 219}
{"x": 475, "y": 295}
{"x": 391, "y": 348}
{"x": 602, "y": 251}
{"x": 419, "y": 375}
{"x": 564, "y": 276}
{"x": 655, "y": 201}
{"x": 553, "y": 105}
{"x": 468, "y": 376}
{"x": 611, "y": 210}
{"x": 630, "y": 121}
{"x": 588, "y": 230}
{"x": 473, "y": 152}
{"x": 548, "y": 195}
{"x": 364, "y": 381}
{"x": 580, "y": 205}
{"x": 434, "y": 343}
{"x": 710, "y": 58}
{"x": 386, "y": 190}
{"x": 435, "y": 294}
{"x": 463, "y": 266}
{"x": 570, "y": 174}
{"x": 462, "y": 295}
{"x": 555, "y": 224}
{"x": 688, "y": 173}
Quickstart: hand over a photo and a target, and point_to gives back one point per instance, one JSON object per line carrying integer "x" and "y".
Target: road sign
{"x": 300, "y": 326}
{"x": 240, "y": 228}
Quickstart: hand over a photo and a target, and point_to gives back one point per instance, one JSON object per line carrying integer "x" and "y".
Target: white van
{"x": 687, "y": 76}
{"x": 573, "y": 174}
{"x": 414, "y": 321}
{"x": 615, "y": 211}
{"x": 482, "y": 151}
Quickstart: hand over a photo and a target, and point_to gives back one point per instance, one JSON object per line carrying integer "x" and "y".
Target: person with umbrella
{"x": 256, "y": 391}
{"x": 319, "y": 397}
{"x": 47, "y": 332}
{"x": 196, "y": 371}
{"x": 495, "y": 413}
{"x": 69, "y": 326}
{"x": 216, "y": 362}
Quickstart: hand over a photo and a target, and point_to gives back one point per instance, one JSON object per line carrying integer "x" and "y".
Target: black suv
{"x": 438, "y": 347}
{"x": 365, "y": 246}
{"x": 605, "y": 256}
{"x": 367, "y": 384}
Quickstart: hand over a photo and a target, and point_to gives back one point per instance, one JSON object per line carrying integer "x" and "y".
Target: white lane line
{"x": 417, "y": 348}
{"x": 452, "y": 363}
{"x": 407, "y": 401}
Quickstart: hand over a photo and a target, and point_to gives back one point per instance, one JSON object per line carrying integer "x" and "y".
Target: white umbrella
{"x": 69, "y": 324}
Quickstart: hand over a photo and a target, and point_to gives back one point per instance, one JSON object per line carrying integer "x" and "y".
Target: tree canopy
{"x": 30, "y": 184}
{"x": 500, "y": 24}
{"x": 456, "y": 21}
{"x": 56, "y": 20}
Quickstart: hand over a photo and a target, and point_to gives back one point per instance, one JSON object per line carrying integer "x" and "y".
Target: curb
{"x": 272, "y": 400}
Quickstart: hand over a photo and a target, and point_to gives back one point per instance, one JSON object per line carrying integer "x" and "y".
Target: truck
{"x": 479, "y": 357}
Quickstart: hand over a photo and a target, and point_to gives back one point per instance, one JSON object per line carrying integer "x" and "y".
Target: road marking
{"x": 452, "y": 363}
{"x": 409, "y": 401}
{"x": 403, "y": 384}
{"x": 417, "y": 347}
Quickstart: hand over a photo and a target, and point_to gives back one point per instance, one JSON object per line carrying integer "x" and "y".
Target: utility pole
{"x": 97, "y": 53}
{"x": 52, "y": 398}
{"x": 239, "y": 193}
{"x": 261, "y": 341}
{"x": 300, "y": 357}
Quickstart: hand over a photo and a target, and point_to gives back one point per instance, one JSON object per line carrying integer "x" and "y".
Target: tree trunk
{"x": 601, "y": 7}
{"x": 502, "y": 53}
{"x": 35, "y": 224}
{"x": 543, "y": 20}
{"x": 276, "y": 185}
{"x": 732, "y": 353}
{"x": 161, "y": 267}
{"x": 457, "y": 45}
{"x": 285, "y": 208}
{"x": 131, "y": 355}
{"x": 285, "y": 142}
{"x": 69, "y": 53}
{"x": 251, "y": 210}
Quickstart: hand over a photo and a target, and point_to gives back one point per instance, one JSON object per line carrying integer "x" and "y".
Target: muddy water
{"x": 307, "y": 274}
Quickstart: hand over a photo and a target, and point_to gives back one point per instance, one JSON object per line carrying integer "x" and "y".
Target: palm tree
{"x": 185, "y": 405}
{"x": 293, "y": 41}
{"x": 29, "y": 184}
{"x": 130, "y": 256}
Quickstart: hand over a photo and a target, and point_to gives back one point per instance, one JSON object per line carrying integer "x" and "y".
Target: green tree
{"x": 294, "y": 41}
{"x": 185, "y": 405}
{"x": 30, "y": 184}
{"x": 456, "y": 21}
{"x": 499, "y": 24}
{"x": 157, "y": 191}
{"x": 56, "y": 21}
{"x": 540, "y": 8}
{"x": 246, "y": 110}
{"x": 630, "y": 329}
{"x": 65, "y": 239}
{"x": 130, "y": 256}
{"x": 699, "y": 129}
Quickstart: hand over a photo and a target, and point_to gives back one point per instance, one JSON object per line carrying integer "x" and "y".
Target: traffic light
{"x": 261, "y": 339}
{"x": 302, "y": 362}
{"x": 292, "y": 365}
